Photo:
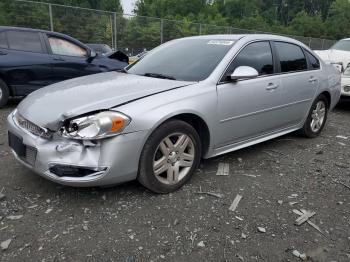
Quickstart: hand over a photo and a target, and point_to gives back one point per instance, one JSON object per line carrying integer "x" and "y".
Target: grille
{"x": 32, "y": 128}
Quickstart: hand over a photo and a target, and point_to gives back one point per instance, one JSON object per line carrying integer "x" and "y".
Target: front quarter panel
{"x": 148, "y": 113}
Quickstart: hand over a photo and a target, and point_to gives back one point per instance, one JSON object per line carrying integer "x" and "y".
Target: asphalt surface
{"x": 48, "y": 222}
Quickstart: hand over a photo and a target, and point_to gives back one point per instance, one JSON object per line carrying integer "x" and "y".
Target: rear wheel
{"x": 4, "y": 93}
{"x": 317, "y": 118}
{"x": 170, "y": 157}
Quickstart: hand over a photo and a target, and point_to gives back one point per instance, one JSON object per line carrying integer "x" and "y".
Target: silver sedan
{"x": 188, "y": 99}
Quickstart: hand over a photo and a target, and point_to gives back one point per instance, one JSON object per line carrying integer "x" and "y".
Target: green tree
{"x": 338, "y": 21}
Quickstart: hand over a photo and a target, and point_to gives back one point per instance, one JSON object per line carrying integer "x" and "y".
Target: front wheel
{"x": 317, "y": 118}
{"x": 170, "y": 157}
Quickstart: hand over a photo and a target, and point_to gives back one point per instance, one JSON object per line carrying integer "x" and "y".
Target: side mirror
{"x": 244, "y": 72}
{"x": 91, "y": 55}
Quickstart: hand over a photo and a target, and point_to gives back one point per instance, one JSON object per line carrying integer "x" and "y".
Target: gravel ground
{"x": 49, "y": 222}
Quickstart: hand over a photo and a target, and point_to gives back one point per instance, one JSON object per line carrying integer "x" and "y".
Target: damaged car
{"x": 188, "y": 99}
{"x": 339, "y": 56}
{"x": 31, "y": 59}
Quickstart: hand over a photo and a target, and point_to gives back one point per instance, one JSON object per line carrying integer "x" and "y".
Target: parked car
{"x": 188, "y": 99}
{"x": 100, "y": 49}
{"x": 31, "y": 59}
{"x": 339, "y": 54}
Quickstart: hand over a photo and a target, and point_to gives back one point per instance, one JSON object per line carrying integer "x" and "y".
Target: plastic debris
{"x": 5, "y": 244}
{"x": 261, "y": 229}
{"x": 223, "y": 169}
{"x": 235, "y": 203}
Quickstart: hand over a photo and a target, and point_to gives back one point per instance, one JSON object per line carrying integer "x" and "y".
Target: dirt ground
{"x": 48, "y": 222}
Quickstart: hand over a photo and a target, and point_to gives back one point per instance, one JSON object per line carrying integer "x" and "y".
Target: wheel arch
{"x": 193, "y": 119}
{"x": 3, "y": 78}
{"x": 328, "y": 97}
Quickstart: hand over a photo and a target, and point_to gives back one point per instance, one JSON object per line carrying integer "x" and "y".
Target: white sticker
{"x": 220, "y": 42}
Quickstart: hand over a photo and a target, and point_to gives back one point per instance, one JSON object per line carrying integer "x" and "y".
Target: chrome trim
{"x": 263, "y": 111}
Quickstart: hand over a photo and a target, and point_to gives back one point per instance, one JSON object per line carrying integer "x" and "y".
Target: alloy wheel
{"x": 173, "y": 158}
{"x": 318, "y": 116}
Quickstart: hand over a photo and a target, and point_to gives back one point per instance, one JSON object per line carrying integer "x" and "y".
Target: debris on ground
{"x": 302, "y": 212}
{"x": 209, "y": 193}
{"x": 248, "y": 175}
{"x": 223, "y": 169}
{"x": 14, "y": 217}
{"x": 341, "y": 183}
{"x": 48, "y": 211}
{"x": 235, "y": 203}
{"x": 5, "y": 244}
{"x": 261, "y": 229}
{"x": 201, "y": 244}
{"x": 304, "y": 217}
{"x": 297, "y": 254}
{"x": 342, "y": 137}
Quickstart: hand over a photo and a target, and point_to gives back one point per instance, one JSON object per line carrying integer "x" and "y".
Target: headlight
{"x": 96, "y": 126}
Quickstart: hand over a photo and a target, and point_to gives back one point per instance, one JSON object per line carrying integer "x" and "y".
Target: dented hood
{"x": 49, "y": 106}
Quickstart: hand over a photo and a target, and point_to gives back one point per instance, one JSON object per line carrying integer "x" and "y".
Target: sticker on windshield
{"x": 220, "y": 42}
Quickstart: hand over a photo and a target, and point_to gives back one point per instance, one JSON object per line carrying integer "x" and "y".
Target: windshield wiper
{"x": 162, "y": 76}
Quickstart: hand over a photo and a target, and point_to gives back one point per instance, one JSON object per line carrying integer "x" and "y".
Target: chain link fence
{"x": 130, "y": 33}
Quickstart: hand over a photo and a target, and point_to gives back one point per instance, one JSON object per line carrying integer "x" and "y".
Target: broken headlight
{"x": 95, "y": 126}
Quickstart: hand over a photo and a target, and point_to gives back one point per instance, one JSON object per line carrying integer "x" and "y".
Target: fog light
{"x": 347, "y": 88}
{"x": 74, "y": 171}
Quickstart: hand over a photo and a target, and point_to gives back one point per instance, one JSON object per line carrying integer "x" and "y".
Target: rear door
{"x": 299, "y": 81}
{"x": 24, "y": 61}
{"x": 69, "y": 60}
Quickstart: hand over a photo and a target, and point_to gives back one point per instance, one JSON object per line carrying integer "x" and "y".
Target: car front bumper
{"x": 345, "y": 86}
{"x": 108, "y": 162}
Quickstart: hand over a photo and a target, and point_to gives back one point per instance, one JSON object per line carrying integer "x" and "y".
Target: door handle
{"x": 271, "y": 86}
{"x": 2, "y": 53}
{"x": 312, "y": 79}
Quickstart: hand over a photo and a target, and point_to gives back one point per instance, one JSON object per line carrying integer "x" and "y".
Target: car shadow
{"x": 343, "y": 105}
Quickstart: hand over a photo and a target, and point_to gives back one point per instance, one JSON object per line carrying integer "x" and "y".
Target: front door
{"x": 69, "y": 60}
{"x": 249, "y": 108}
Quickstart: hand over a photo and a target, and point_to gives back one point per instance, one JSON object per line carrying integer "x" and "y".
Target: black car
{"x": 31, "y": 59}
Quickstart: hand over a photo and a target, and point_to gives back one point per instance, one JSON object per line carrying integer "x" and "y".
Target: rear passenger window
{"x": 24, "y": 41}
{"x": 257, "y": 55}
{"x": 315, "y": 63}
{"x": 291, "y": 57}
{"x": 3, "y": 42}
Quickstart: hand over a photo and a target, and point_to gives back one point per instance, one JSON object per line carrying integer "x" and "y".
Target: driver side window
{"x": 257, "y": 55}
{"x": 60, "y": 46}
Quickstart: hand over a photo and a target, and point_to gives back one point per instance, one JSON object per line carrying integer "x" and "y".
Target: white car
{"x": 345, "y": 83}
{"x": 339, "y": 54}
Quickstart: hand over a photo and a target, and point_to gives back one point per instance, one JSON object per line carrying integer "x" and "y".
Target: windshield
{"x": 185, "y": 59}
{"x": 343, "y": 45}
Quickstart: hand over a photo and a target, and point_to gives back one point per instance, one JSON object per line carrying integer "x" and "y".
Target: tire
{"x": 170, "y": 157}
{"x": 312, "y": 129}
{"x": 4, "y": 93}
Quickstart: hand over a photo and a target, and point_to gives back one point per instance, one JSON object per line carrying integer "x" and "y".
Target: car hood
{"x": 336, "y": 56}
{"x": 49, "y": 106}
